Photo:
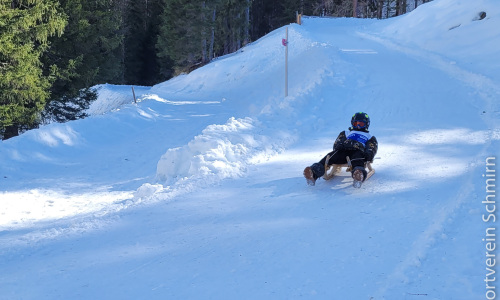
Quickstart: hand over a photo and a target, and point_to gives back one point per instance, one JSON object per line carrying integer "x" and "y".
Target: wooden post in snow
{"x": 133, "y": 93}
{"x": 286, "y": 63}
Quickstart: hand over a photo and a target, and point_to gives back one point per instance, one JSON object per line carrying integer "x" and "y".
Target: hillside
{"x": 197, "y": 192}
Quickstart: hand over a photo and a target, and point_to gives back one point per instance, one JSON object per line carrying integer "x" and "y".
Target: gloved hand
{"x": 352, "y": 145}
{"x": 369, "y": 155}
{"x": 339, "y": 146}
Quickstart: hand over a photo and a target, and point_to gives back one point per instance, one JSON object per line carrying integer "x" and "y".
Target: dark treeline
{"x": 52, "y": 52}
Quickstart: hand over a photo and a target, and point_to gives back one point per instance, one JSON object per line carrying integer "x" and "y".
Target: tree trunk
{"x": 204, "y": 57}
{"x": 212, "y": 38}
{"x": 246, "y": 38}
{"x": 354, "y": 8}
{"x": 380, "y": 8}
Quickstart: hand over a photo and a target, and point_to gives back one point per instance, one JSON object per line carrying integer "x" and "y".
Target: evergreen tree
{"x": 270, "y": 15}
{"x": 88, "y": 53}
{"x": 183, "y": 30}
{"x": 25, "y": 26}
{"x": 232, "y": 24}
{"x": 141, "y": 25}
{"x": 289, "y": 9}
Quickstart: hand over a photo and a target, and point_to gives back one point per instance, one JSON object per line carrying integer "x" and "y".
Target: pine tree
{"x": 88, "y": 53}
{"x": 289, "y": 9}
{"x": 270, "y": 15}
{"x": 232, "y": 24}
{"x": 141, "y": 26}
{"x": 183, "y": 30}
{"x": 25, "y": 26}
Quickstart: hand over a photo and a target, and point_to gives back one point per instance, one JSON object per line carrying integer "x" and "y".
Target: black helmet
{"x": 360, "y": 120}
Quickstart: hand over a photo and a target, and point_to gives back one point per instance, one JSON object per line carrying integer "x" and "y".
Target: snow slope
{"x": 196, "y": 191}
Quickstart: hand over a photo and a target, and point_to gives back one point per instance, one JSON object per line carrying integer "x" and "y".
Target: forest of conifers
{"x": 52, "y": 52}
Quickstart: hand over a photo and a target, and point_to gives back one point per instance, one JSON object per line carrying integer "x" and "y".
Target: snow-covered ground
{"x": 196, "y": 191}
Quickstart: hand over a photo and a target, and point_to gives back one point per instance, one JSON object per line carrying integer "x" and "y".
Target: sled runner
{"x": 332, "y": 170}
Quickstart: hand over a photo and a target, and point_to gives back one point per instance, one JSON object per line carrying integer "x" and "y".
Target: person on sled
{"x": 357, "y": 143}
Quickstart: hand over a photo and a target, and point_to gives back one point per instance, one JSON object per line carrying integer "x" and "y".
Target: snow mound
{"x": 147, "y": 190}
{"x": 456, "y": 24}
{"x": 111, "y": 97}
{"x": 259, "y": 61}
{"x": 221, "y": 150}
{"x": 452, "y": 14}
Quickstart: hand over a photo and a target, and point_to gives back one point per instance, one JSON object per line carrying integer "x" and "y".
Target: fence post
{"x": 299, "y": 18}
{"x": 133, "y": 93}
{"x": 286, "y": 64}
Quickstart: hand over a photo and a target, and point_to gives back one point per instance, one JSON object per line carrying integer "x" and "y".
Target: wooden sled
{"x": 332, "y": 170}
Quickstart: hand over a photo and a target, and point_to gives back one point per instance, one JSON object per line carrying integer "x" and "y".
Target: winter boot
{"x": 359, "y": 175}
{"x": 309, "y": 175}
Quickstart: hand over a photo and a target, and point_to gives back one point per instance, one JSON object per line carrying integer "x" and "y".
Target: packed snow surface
{"x": 196, "y": 191}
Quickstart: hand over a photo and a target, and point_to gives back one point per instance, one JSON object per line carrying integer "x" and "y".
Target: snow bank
{"x": 455, "y": 27}
{"x": 220, "y": 150}
{"x": 111, "y": 97}
{"x": 262, "y": 61}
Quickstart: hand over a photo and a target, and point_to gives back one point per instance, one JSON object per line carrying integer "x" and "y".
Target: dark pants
{"x": 338, "y": 157}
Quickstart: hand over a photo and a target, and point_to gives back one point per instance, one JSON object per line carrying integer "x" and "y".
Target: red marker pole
{"x": 285, "y": 42}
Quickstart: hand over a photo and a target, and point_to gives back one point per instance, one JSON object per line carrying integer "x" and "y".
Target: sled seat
{"x": 332, "y": 170}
